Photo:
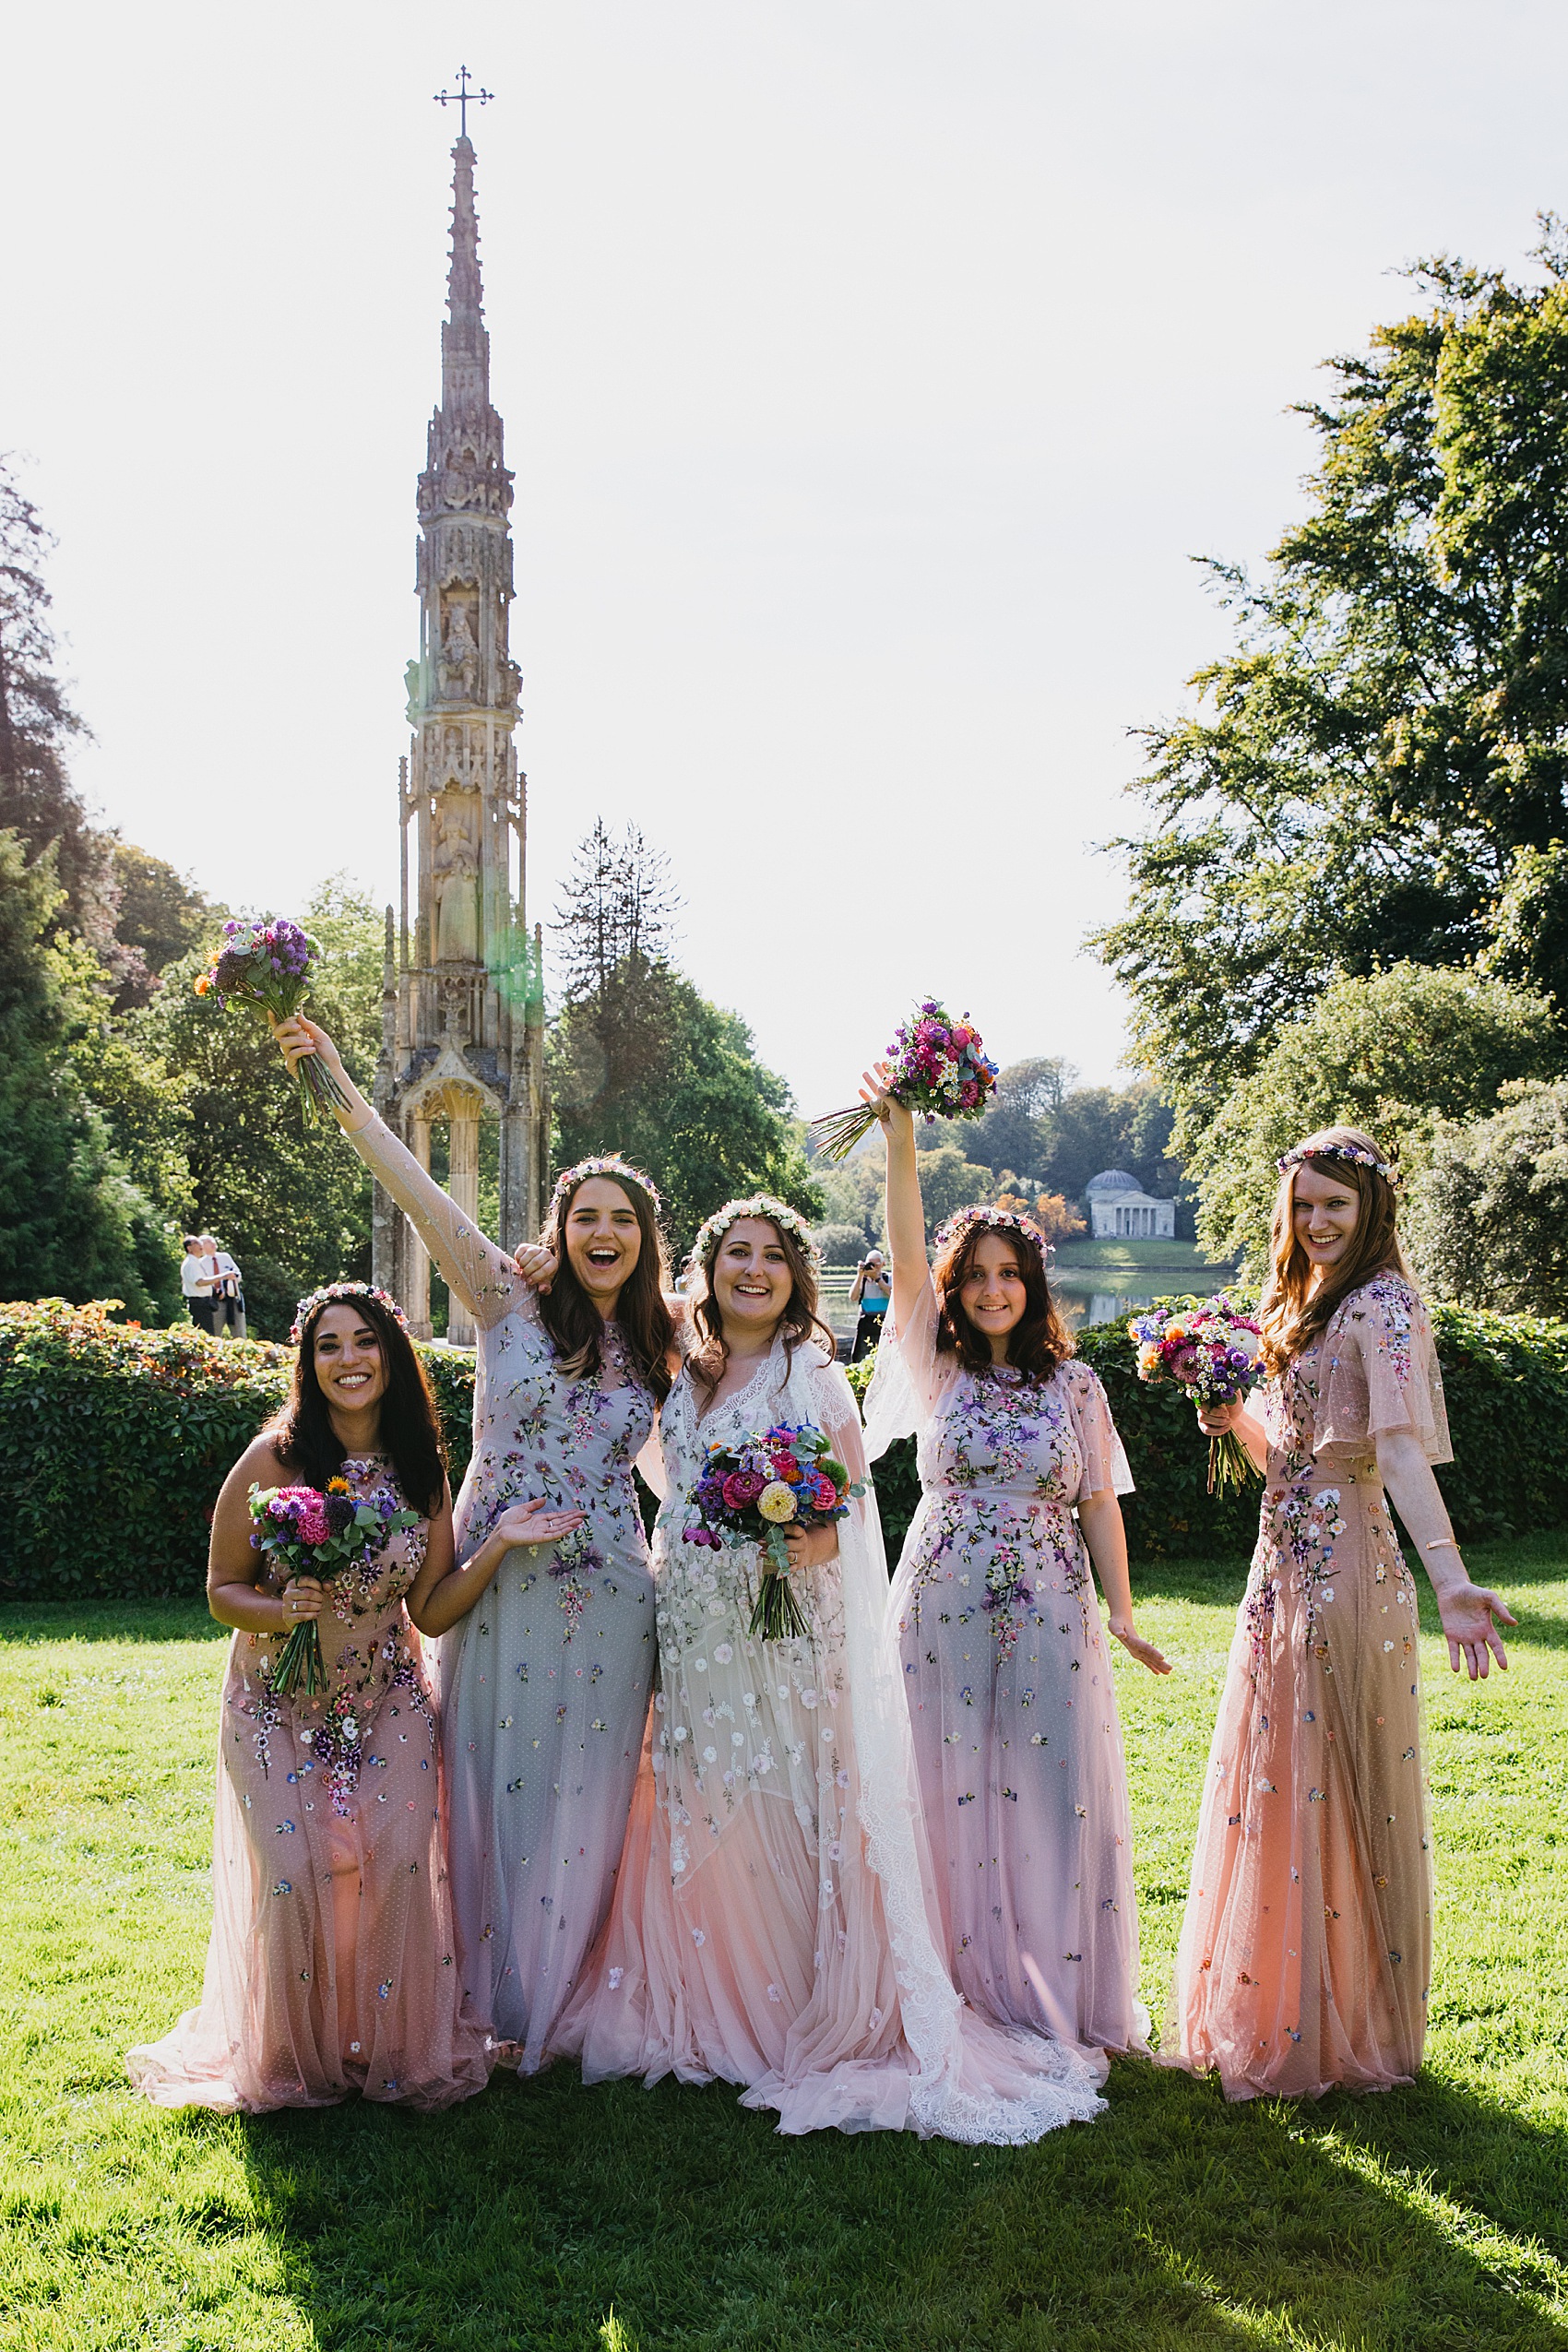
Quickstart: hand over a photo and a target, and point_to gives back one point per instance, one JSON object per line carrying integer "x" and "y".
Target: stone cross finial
{"x": 462, "y": 98}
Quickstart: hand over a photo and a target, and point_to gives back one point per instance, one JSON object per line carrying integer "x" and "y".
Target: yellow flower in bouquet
{"x": 776, "y": 1501}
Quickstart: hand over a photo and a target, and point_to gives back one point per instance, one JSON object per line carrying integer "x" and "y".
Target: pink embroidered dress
{"x": 308, "y": 1790}
{"x": 772, "y": 1922}
{"x": 544, "y": 1685}
{"x": 1306, "y": 1948}
{"x": 1008, "y": 1676}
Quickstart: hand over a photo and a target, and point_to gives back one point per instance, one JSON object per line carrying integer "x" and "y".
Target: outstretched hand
{"x": 879, "y": 1098}
{"x": 1470, "y": 1619}
{"x": 538, "y": 1266}
{"x": 1136, "y": 1646}
{"x": 298, "y": 1039}
{"x": 535, "y": 1523}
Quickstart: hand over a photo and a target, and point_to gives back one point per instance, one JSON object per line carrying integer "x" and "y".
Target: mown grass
{"x": 618, "y": 2220}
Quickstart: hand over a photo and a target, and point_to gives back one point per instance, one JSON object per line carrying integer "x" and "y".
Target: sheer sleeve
{"x": 1099, "y": 1445}
{"x": 908, "y": 1378}
{"x": 1380, "y": 1375}
{"x": 483, "y": 1276}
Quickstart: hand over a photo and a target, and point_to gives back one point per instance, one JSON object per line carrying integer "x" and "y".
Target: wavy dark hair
{"x": 1039, "y": 1342}
{"x": 1291, "y": 1315}
{"x": 799, "y": 1320}
{"x": 574, "y": 1322}
{"x": 303, "y": 1433}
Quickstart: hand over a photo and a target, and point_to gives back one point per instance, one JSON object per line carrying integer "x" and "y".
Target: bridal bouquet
{"x": 749, "y": 1492}
{"x": 304, "y": 1532}
{"x": 939, "y": 1069}
{"x": 268, "y": 965}
{"x": 1209, "y": 1348}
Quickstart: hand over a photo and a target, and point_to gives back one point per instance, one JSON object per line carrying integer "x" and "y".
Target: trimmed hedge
{"x": 1505, "y": 1378}
{"x": 114, "y": 1440}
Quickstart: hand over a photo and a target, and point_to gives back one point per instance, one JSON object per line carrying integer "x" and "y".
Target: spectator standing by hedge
{"x": 332, "y": 1964}
{"x": 871, "y": 1293}
{"x": 1005, "y": 1667}
{"x": 1306, "y": 1949}
{"x": 544, "y": 1690}
{"x": 227, "y": 1291}
{"x": 196, "y": 1283}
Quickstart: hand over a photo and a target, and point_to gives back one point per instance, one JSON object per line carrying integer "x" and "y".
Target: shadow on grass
{"x": 183, "y": 1619}
{"x": 525, "y": 2217}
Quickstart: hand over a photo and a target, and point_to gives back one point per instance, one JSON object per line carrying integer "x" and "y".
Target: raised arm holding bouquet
{"x": 937, "y": 1068}
{"x": 1005, "y": 1664}
{"x": 544, "y": 1686}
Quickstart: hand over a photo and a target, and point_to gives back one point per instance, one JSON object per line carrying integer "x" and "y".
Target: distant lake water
{"x": 1087, "y": 1298}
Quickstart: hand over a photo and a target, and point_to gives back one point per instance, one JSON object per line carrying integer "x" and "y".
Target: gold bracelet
{"x": 1440, "y": 1543}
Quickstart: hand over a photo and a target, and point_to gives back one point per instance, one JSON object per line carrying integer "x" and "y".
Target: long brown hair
{"x": 574, "y": 1322}
{"x": 1290, "y": 1317}
{"x": 799, "y": 1319}
{"x": 1039, "y": 1341}
{"x": 302, "y": 1430}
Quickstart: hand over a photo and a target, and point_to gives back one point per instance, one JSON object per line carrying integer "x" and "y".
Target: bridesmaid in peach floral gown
{"x": 1306, "y": 1949}
{"x": 331, "y": 1966}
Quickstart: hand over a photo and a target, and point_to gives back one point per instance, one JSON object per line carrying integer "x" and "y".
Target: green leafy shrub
{"x": 114, "y": 1440}
{"x": 1505, "y": 1378}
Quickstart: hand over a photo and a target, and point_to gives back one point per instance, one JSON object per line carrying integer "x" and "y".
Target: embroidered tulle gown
{"x": 772, "y": 1924}
{"x": 544, "y": 1685}
{"x": 1306, "y": 1947}
{"x": 1006, "y": 1671}
{"x": 307, "y": 1790}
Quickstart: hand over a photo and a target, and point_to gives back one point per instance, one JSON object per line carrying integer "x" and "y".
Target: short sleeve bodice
{"x": 1373, "y": 1373}
{"x": 542, "y": 1430}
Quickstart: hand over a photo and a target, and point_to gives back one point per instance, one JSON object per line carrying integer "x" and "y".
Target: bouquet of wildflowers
{"x": 1209, "y": 1348}
{"x": 268, "y": 965}
{"x": 749, "y": 1492}
{"x": 939, "y": 1069}
{"x": 304, "y": 1532}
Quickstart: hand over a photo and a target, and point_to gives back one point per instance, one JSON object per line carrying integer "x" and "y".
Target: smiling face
{"x": 1325, "y": 1211}
{"x": 604, "y": 1239}
{"x": 992, "y": 1293}
{"x": 350, "y": 1370}
{"x": 752, "y": 1280}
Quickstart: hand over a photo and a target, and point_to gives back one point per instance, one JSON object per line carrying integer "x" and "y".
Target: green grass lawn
{"x": 618, "y": 2220}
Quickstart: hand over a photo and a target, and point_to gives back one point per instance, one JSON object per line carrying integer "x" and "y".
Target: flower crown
{"x": 331, "y": 1293}
{"x": 1360, "y": 1153}
{"x": 760, "y": 1205}
{"x": 611, "y": 1165}
{"x": 980, "y": 1213}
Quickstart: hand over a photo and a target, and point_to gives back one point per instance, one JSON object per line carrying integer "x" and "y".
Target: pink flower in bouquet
{"x": 785, "y": 1466}
{"x": 742, "y": 1487}
{"x": 824, "y": 1494}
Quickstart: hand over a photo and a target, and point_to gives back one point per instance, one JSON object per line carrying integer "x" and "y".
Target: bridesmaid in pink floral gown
{"x": 1306, "y": 1949}
{"x": 331, "y": 1966}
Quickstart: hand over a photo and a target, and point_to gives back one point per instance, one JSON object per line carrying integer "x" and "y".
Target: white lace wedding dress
{"x": 773, "y": 1919}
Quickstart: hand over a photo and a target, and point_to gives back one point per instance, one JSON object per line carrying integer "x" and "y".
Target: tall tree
{"x": 1378, "y": 771}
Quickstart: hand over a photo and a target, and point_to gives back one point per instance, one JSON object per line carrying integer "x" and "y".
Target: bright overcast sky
{"x": 870, "y": 371}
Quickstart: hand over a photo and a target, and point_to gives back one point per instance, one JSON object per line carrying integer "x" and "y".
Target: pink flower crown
{"x": 330, "y": 1294}
{"x": 611, "y": 1165}
{"x": 1362, "y": 1157}
{"x": 777, "y": 1213}
{"x": 1010, "y": 1220}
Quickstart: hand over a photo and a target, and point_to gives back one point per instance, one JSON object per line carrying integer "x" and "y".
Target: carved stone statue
{"x": 454, "y": 877}
{"x": 460, "y": 654}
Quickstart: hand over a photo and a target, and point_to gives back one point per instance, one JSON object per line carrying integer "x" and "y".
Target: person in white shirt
{"x": 227, "y": 1291}
{"x": 196, "y": 1283}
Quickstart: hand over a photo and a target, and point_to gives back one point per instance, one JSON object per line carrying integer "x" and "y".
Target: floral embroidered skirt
{"x": 297, "y": 1835}
{"x": 1306, "y": 1948}
{"x": 1023, "y": 1780}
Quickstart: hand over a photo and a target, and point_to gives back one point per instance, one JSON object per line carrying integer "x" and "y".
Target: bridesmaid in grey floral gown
{"x": 544, "y": 1685}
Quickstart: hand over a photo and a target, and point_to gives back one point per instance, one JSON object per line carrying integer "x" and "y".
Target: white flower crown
{"x": 763, "y": 1204}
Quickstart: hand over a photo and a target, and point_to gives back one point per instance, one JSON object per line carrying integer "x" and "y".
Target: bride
{"x": 772, "y": 1919}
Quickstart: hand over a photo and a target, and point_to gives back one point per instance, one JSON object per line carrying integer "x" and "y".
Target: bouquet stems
{"x": 1230, "y": 1464}
{"x": 319, "y": 1091}
{"x": 776, "y": 1614}
{"x": 838, "y": 1132}
{"x": 300, "y": 1663}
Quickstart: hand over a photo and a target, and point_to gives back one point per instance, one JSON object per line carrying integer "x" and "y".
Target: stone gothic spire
{"x": 464, "y": 1039}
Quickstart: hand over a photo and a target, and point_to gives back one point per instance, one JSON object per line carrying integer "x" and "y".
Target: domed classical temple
{"x": 1121, "y": 1210}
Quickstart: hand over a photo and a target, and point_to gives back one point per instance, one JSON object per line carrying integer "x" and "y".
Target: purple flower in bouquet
{"x": 267, "y": 964}
{"x": 940, "y": 1068}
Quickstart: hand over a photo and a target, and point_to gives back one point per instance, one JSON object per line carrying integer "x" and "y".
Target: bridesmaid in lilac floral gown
{"x": 1306, "y": 1949}
{"x": 332, "y": 1962}
{"x": 1005, "y": 1666}
{"x": 544, "y": 1686}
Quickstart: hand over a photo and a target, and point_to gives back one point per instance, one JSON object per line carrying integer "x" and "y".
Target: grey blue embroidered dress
{"x": 544, "y": 1685}
{"x": 1006, "y": 1671}
{"x": 1306, "y": 1948}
